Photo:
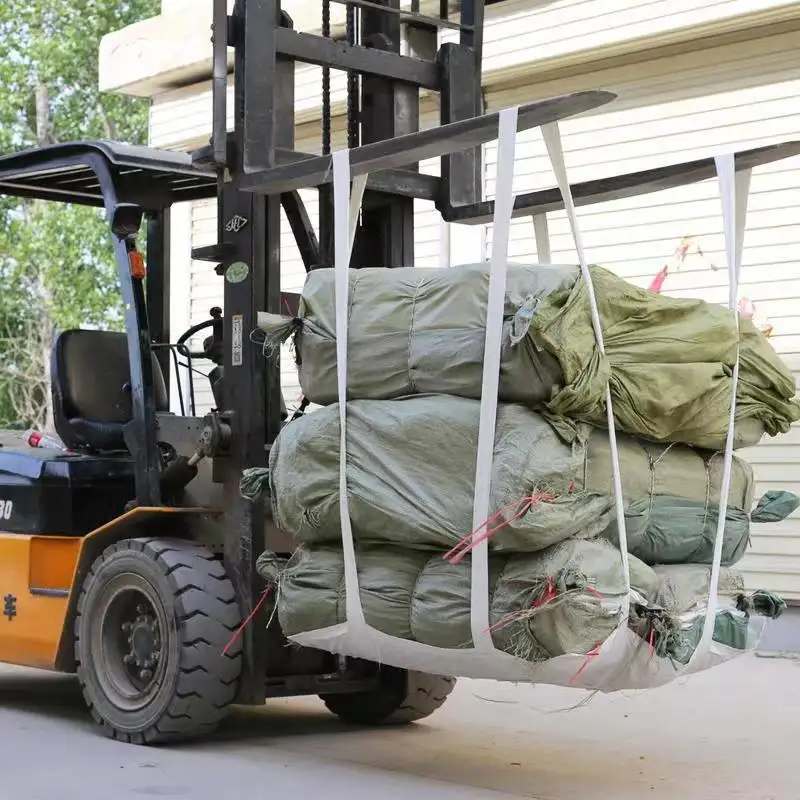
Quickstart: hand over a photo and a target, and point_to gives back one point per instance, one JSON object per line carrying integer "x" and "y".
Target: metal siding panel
{"x": 516, "y": 32}
{"x": 653, "y": 126}
{"x": 427, "y": 220}
{"x": 557, "y": 29}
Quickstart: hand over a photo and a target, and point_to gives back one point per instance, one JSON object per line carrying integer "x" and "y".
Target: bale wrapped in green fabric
{"x": 669, "y": 360}
{"x": 674, "y": 625}
{"x": 669, "y": 363}
{"x": 566, "y": 599}
{"x": 411, "y": 482}
{"x": 417, "y": 331}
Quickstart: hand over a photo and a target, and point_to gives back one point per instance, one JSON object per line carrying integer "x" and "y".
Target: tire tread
{"x": 423, "y": 695}
{"x": 207, "y": 615}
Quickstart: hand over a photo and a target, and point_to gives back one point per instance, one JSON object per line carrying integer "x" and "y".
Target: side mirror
{"x": 126, "y": 219}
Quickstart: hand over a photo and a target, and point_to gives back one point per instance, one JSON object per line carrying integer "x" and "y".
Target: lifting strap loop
{"x": 345, "y": 210}
{"x": 734, "y": 190}
{"x": 503, "y": 208}
{"x": 552, "y": 139}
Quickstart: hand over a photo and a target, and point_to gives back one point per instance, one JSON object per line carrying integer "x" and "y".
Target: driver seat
{"x": 92, "y": 402}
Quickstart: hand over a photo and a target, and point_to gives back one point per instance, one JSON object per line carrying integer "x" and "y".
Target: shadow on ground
{"x": 55, "y": 696}
{"x": 44, "y": 694}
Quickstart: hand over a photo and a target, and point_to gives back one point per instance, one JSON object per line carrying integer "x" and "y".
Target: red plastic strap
{"x": 658, "y": 281}
{"x": 589, "y": 656}
{"x": 469, "y": 542}
{"x": 550, "y": 593}
{"x": 238, "y": 632}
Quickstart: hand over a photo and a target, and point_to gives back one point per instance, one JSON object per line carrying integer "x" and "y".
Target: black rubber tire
{"x": 201, "y": 613}
{"x": 401, "y": 698}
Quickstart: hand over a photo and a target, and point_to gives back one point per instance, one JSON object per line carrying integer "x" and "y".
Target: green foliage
{"x": 56, "y": 261}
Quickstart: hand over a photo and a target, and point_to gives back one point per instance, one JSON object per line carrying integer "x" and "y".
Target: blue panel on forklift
{"x": 48, "y": 492}
{"x": 34, "y": 462}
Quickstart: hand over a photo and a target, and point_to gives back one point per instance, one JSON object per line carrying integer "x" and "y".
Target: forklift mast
{"x": 390, "y": 53}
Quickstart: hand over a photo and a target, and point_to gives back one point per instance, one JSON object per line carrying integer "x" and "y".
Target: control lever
{"x": 179, "y": 474}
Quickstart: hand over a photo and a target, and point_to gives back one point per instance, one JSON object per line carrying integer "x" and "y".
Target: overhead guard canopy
{"x": 78, "y": 171}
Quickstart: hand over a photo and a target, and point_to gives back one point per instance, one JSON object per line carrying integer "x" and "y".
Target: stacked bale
{"x": 416, "y": 344}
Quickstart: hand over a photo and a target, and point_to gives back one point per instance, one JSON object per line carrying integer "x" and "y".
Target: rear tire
{"x": 402, "y": 697}
{"x": 153, "y": 618}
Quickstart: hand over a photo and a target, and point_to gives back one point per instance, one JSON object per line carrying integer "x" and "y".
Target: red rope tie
{"x": 550, "y": 593}
{"x": 658, "y": 280}
{"x": 589, "y": 657}
{"x": 238, "y": 632}
{"x": 472, "y": 540}
{"x": 652, "y": 641}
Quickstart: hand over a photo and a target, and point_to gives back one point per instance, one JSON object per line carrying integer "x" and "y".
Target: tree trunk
{"x": 48, "y": 337}
{"x": 42, "y": 115}
{"x": 45, "y": 298}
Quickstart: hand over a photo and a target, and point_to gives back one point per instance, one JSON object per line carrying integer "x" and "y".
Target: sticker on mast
{"x": 237, "y": 327}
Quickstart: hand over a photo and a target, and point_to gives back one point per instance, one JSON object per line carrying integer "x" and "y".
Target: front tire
{"x": 153, "y": 618}
{"x": 401, "y": 697}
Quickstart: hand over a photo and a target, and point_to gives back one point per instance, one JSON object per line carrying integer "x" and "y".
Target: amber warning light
{"x": 137, "y": 265}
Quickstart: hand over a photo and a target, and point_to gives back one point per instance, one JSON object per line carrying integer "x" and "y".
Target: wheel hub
{"x": 129, "y": 646}
{"x": 143, "y": 643}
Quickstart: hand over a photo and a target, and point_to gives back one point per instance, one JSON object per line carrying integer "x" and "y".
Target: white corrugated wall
{"x": 677, "y": 109}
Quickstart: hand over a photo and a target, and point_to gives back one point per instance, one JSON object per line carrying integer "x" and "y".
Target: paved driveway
{"x": 730, "y": 733}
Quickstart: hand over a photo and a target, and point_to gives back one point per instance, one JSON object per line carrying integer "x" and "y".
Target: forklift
{"x": 129, "y": 558}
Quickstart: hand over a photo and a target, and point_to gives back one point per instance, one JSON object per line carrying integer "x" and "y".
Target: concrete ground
{"x": 724, "y": 734}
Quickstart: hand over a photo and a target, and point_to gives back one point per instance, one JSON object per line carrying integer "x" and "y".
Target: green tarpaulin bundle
{"x": 675, "y": 624}
{"x": 669, "y": 361}
{"x": 411, "y": 482}
{"x": 566, "y": 599}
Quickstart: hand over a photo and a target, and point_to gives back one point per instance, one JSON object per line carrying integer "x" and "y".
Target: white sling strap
{"x": 734, "y": 190}
{"x": 345, "y": 210}
{"x": 498, "y": 264}
{"x": 552, "y": 139}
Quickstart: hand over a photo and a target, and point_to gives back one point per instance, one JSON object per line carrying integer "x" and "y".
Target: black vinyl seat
{"x": 92, "y": 400}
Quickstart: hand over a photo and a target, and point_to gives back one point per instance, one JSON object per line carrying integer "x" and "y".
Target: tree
{"x": 57, "y": 269}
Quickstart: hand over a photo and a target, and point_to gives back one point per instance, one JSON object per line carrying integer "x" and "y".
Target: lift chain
{"x": 326, "y": 82}
{"x": 353, "y": 100}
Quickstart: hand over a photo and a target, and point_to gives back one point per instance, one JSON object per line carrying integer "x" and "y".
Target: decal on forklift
{"x": 236, "y": 223}
{"x": 237, "y": 272}
{"x": 237, "y": 326}
{"x": 6, "y": 509}
{"x": 9, "y": 607}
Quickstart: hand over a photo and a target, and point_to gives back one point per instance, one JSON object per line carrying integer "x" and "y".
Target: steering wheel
{"x": 216, "y": 317}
